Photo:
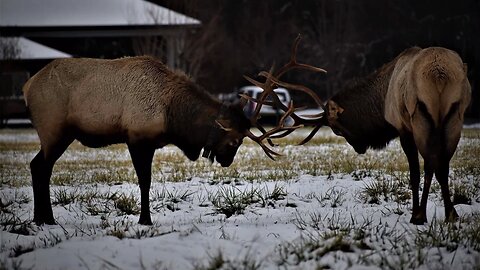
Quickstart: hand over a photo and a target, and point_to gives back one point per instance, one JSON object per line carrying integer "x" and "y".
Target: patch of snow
{"x": 476, "y": 125}
{"x": 194, "y": 231}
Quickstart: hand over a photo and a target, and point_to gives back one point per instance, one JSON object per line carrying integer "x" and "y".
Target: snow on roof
{"x": 22, "y": 48}
{"x": 87, "y": 13}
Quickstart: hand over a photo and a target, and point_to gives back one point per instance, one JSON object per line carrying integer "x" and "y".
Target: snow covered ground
{"x": 249, "y": 216}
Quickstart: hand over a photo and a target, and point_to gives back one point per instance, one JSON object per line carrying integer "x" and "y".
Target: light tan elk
{"x": 137, "y": 101}
{"x": 420, "y": 96}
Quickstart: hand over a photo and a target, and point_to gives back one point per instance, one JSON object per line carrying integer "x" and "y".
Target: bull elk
{"x": 420, "y": 96}
{"x": 137, "y": 101}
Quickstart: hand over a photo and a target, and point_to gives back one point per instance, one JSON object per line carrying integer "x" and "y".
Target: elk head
{"x": 227, "y": 133}
{"x": 341, "y": 125}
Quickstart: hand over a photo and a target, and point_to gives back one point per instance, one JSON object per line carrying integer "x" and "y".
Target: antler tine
{"x": 271, "y": 103}
{"x": 254, "y": 82}
{"x": 281, "y": 124}
{"x": 259, "y": 102}
{"x": 298, "y": 87}
{"x": 274, "y": 80}
{"x": 269, "y": 152}
{"x": 267, "y": 87}
{"x": 310, "y": 136}
{"x": 282, "y": 119}
{"x": 299, "y": 121}
{"x": 268, "y": 134}
{"x": 294, "y": 64}
{"x": 276, "y": 101}
{"x": 266, "y": 102}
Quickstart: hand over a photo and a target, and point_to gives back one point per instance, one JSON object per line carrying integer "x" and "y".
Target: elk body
{"x": 137, "y": 101}
{"x": 420, "y": 96}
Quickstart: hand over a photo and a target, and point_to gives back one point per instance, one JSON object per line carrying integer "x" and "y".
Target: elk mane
{"x": 364, "y": 99}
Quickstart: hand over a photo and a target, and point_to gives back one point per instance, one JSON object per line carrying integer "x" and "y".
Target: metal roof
{"x": 26, "y": 49}
{"x": 54, "y": 13}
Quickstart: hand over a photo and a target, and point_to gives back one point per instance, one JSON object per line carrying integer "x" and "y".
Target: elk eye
{"x": 336, "y": 131}
{"x": 235, "y": 143}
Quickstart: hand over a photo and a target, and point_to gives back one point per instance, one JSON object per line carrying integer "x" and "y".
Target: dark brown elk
{"x": 420, "y": 96}
{"x": 137, "y": 101}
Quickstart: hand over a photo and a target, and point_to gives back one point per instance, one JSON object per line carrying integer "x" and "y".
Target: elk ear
{"x": 465, "y": 67}
{"x": 224, "y": 124}
{"x": 334, "y": 110}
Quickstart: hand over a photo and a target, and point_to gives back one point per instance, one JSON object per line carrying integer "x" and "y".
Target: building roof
{"x": 24, "y": 49}
{"x": 58, "y": 13}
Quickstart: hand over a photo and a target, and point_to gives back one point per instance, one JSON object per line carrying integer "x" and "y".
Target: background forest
{"x": 347, "y": 38}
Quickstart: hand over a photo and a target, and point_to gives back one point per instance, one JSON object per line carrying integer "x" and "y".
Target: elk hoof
{"x": 41, "y": 221}
{"x": 452, "y": 216}
{"x": 418, "y": 220}
{"x": 145, "y": 221}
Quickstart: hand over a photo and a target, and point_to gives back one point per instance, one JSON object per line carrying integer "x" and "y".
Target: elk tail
{"x": 25, "y": 89}
{"x": 438, "y": 73}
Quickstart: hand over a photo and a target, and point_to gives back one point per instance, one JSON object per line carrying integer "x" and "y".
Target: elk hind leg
{"x": 41, "y": 169}
{"x": 411, "y": 151}
{"x": 450, "y": 136}
{"x": 142, "y": 157}
{"x": 442, "y": 177}
{"x": 421, "y": 217}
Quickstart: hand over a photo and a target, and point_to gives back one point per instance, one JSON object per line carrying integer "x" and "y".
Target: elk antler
{"x": 272, "y": 80}
{"x": 271, "y": 133}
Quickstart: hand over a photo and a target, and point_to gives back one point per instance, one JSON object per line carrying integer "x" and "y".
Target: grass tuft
{"x": 232, "y": 201}
{"x": 126, "y": 205}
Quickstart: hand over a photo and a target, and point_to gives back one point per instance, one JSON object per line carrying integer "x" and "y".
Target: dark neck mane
{"x": 191, "y": 115}
{"x": 364, "y": 102}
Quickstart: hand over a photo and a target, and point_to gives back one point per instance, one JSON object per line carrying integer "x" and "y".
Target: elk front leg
{"x": 410, "y": 149}
{"x": 41, "y": 168}
{"x": 42, "y": 207}
{"x": 442, "y": 176}
{"x": 142, "y": 157}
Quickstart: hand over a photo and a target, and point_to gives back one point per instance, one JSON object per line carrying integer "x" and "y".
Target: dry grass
{"x": 324, "y": 154}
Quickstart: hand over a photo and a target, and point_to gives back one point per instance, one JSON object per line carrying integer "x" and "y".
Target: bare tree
{"x": 200, "y": 46}
{"x": 332, "y": 43}
{"x": 152, "y": 45}
{"x": 9, "y": 48}
{"x": 169, "y": 45}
